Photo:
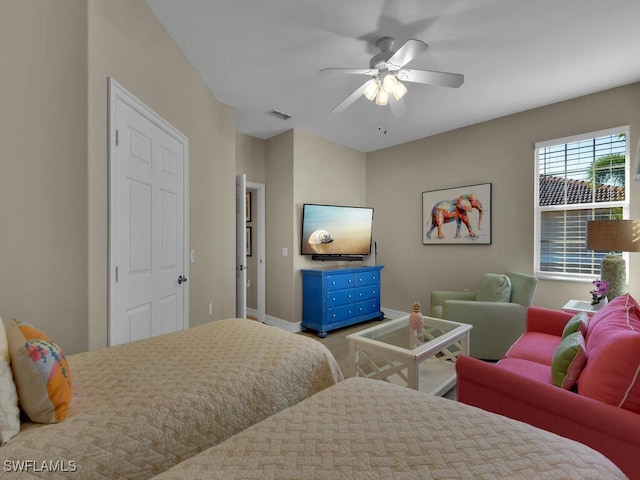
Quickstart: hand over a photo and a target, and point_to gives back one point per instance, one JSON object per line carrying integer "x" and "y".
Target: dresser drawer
{"x": 337, "y": 314}
{"x": 365, "y": 293}
{"x": 366, "y": 278}
{"x": 366, "y": 307}
{"x": 339, "y": 297}
{"x": 339, "y": 282}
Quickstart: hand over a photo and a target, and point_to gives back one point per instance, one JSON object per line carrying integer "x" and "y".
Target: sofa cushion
{"x": 612, "y": 372}
{"x": 568, "y": 361}
{"x": 494, "y": 288}
{"x": 616, "y": 309}
{"x": 9, "y": 411}
{"x": 578, "y": 323}
{"x": 535, "y": 347}
{"x": 41, "y": 374}
{"x": 526, "y": 368}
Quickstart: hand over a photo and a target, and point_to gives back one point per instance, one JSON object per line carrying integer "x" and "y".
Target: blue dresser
{"x": 335, "y": 297}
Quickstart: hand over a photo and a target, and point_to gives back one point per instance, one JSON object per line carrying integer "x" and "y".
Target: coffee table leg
{"x": 412, "y": 375}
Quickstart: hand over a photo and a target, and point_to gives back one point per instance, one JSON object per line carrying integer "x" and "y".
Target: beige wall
{"x": 279, "y": 226}
{"x": 43, "y": 167}
{"x": 127, "y": 43}
{"x": 56, "y": 58}
{"x": 251, "y": 158}
{"x": 501, "y": 152}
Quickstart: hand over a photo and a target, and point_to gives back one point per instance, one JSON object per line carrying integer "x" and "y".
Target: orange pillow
{"x": 612, "y": 372}
{"x": 40, "y": 372}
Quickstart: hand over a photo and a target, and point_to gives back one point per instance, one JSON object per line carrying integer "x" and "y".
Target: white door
{"x": 148, "y": 232}
{"x": 241, "y": 246}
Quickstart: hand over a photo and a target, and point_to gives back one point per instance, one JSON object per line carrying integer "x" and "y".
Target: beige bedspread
{"x": 142, "y": 407}
{"x": 369, "y": 429}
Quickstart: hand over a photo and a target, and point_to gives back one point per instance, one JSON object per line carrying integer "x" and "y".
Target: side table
{"x": 576, "y": 306}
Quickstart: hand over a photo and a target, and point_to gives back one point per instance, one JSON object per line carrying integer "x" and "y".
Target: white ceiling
{"x": 259, "y": 55}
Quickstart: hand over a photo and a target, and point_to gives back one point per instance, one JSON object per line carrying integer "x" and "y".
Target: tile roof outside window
{"x": 552, "y": 191}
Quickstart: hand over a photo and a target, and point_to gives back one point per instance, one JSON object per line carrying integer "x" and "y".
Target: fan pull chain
{"x": 380, "y": 122}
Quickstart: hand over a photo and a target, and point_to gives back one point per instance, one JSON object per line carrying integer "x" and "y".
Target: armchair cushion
{"x": 494, "y": 288}
{"x": 438, "y": 297}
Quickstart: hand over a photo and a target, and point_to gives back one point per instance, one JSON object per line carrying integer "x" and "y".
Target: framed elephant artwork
{"x": 457, "y": 216}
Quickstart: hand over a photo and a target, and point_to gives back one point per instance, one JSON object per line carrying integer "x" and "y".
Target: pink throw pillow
{"x": 612, "y": 372}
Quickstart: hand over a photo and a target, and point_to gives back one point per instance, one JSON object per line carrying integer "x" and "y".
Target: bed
{"x": 369, "y": 429}
{"x": 142, "y": 407}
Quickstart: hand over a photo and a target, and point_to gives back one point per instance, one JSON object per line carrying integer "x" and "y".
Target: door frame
{"x": 117, "y": 92}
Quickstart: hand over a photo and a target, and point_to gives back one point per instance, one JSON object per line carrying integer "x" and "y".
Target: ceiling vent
{"x": 280, "y": 115}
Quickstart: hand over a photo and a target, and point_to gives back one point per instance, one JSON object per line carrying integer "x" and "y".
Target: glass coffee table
{"x": 393, "y": 352}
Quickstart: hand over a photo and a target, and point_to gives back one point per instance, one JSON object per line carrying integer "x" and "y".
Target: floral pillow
{"x": 41, "y": 374}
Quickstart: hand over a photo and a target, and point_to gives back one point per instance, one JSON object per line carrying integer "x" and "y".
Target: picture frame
{"x": 248, "y": 207}
{"x": 248, "y": 242}
{"x": 457, "y": 216}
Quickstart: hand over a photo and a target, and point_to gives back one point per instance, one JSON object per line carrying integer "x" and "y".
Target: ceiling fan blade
{"x": 398, "y": 107}
{"x": 407, "y": 52}
{"x": 442, "y": 79}
{"x": 343, "y": 105}
{"x": 356, "y": 71}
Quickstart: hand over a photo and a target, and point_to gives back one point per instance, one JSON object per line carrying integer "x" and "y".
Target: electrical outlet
{"x": 285, "y": 252}
{"x": 193, "y": 256}
{"x": 211, "y": 309}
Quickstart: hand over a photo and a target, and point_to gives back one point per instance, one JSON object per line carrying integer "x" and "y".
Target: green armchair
{"x": 497, "y": 311}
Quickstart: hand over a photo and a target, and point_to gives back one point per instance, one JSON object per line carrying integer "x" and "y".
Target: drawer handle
{"x": 349, "y": 280}
{"x": 349, "y": 296}
{"x": 334, "y": 315}
{"x": 333, "y": 299}
{"x": 333, "y": 283}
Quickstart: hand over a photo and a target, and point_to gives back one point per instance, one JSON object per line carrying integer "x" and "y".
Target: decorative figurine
{"x": 416, "y": 323}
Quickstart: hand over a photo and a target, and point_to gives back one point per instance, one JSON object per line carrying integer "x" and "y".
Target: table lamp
{"x": 614, "y": 236}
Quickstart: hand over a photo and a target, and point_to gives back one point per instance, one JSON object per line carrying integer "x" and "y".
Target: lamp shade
{"x": 614, "y": 235}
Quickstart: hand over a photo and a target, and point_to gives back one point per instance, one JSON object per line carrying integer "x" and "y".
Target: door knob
{"x": 182, "y": 280}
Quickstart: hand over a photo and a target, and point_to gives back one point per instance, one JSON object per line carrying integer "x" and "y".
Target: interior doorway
{"x": 251, "y": 288}
{"x": 256, "y": 276}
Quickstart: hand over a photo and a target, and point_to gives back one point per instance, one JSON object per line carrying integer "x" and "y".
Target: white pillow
{"x": 494, "y": 288}
{"x": 9, "y": 411}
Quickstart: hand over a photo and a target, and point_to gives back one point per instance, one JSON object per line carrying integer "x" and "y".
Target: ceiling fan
{"x": 388, "y": 71}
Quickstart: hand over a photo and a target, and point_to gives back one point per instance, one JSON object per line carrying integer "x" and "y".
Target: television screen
{"x": 336, "y": 230}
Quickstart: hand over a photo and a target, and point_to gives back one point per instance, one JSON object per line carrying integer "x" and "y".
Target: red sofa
{"x": 520, "y": 385}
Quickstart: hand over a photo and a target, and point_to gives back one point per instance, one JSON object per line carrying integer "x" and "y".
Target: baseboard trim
{"x": 292, "y": 327}
{"x": 393, "y": 314}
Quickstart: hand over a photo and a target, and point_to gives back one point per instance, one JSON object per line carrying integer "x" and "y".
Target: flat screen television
{"x": 336, "y": 232}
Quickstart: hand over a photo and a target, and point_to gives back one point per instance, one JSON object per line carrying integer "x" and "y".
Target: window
{"x": 578, "y": 178}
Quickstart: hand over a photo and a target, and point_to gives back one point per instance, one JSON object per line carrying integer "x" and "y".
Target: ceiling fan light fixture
{"x": 371, "y": 89}
{"x": 399, "y": 90}
{"x": 382, "y": 98}
{"x": 389, "y": 82}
